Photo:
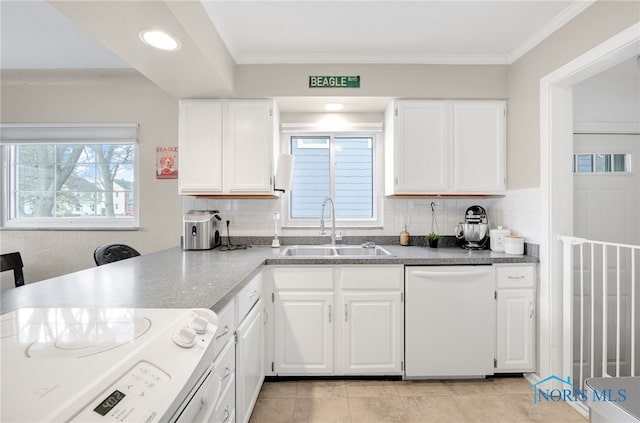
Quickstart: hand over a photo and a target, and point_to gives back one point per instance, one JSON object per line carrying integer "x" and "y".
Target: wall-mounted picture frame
{"x": 166, "y": 162}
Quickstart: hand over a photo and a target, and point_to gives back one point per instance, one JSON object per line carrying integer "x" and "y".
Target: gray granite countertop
{"x": 175, "y": 278}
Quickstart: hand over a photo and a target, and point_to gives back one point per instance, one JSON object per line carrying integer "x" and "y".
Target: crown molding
{"x": 573, "y": 10}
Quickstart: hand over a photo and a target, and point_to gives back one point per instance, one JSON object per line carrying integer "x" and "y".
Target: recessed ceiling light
{"x": 333, "y": 107}
{"x": 159, "y": 39}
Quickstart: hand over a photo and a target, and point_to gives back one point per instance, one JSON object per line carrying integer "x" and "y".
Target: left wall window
{"x": 70, "y": 176}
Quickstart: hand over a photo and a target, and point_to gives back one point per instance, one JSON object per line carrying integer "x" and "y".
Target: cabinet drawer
{"x": 226, "y": 329}
{"x": 299, "y": 279}
{"x": 226, "y": 403}
{"x": 248, "y": 296}
{"x": 225, "y": 365}
{"x": 515, "y": 276}
{"x": 378, "y": 277}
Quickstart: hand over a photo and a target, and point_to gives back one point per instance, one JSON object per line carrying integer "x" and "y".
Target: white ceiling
{"x": 35, "y": 35}
{"x": 477, "y": 32}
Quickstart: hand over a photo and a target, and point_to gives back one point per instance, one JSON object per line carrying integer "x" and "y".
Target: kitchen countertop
{"x": 175, "y": 278}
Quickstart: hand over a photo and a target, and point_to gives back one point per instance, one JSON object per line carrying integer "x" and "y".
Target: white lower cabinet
{"x": 335, "y": 320}
{"x": 304, "y": 333}
{"x": 239, "y": 346}
{"x": 372, "y": 338}
{"x": 515, "y": 332}
{"x": 225, "y": 408}
{"x": 249, "y": 362}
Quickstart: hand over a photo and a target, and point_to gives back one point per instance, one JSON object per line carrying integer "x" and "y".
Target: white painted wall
{"x": 612, "y": 97}
{"x": 95, "y": 96}
{"x": 606, "y": 206}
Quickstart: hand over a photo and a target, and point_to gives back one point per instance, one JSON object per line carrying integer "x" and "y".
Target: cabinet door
{"x": 200, "y": 147}
{"x": 249, "y": 362}
{"x": 373, "y": 333}
{"x": 248, "y": 146}
{"x": 515, "y": 330}
{"x": 479, "y": 139}
{"x": 421, "y": 147}
{"x": 304, "y": 323}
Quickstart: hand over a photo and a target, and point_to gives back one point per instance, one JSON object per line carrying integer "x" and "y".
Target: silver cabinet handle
{"x": 266, "y": 316}
{"x": 531, "y": 310}
{"x": 226, "y": 414}
{"x": 516, "y": 277}
{"x": 227, "y": 373}
{"x": 253, "y": 294}
{"x": 346, "y": 312}
{"x": 226, "y": 331}
{"x": 329, "y": 313}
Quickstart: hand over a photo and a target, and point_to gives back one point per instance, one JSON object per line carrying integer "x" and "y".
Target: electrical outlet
{"x": 232, "y": 218}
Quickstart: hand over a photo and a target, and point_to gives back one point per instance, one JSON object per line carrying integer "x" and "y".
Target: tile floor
{"x": 493, "y": 400}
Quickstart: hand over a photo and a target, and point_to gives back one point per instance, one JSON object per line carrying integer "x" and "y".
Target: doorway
{"x": 556, "y": 148}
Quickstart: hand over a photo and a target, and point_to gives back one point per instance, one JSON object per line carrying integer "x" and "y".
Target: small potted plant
{"x": 433, "y": 239}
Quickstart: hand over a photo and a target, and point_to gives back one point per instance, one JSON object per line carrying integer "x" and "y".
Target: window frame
{"x": 628, "y": 162}
{"x": 377, "y": 161}
{"x": 89, "y": 134}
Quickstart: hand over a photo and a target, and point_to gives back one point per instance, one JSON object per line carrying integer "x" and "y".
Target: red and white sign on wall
{"x": 166, "y": 162}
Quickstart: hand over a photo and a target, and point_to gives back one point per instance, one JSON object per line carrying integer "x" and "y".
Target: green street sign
{"x": 334, "y": 81}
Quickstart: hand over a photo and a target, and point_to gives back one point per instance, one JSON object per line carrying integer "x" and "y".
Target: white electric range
{"x": 107, "y": 364}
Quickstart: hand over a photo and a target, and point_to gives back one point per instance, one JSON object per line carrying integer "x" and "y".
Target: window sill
{"x": 70, "y": 225}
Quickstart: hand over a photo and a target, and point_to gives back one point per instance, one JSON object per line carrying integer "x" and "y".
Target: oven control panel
{"x": 129, "y": 399}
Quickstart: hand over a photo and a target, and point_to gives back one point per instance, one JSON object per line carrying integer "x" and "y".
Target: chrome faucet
{"x": 333, "y": 220}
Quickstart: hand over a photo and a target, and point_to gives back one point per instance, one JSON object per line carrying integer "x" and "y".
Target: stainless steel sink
{"x": 331, "y": 251}
{"x": 362, "y": 251}
{"x": 308, "y": 251}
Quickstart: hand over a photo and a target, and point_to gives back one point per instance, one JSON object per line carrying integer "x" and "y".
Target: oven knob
{"x": 185, "y": 337}
{"x": 199, "y": 324}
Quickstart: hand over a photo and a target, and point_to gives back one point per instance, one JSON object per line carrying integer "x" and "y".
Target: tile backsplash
{"x": 518, "y": 210}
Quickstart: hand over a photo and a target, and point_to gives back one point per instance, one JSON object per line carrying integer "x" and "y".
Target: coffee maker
{"x": 474, "y": 230}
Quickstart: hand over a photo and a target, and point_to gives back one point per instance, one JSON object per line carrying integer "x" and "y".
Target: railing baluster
{"x": 593, "y": 310}
{"x": 624, "y": 341}
{"x": 633, "y": 313}
{"x": 618, "y": 311}
{"x": 581, "y": 315}
{"x": 604, "y": 311}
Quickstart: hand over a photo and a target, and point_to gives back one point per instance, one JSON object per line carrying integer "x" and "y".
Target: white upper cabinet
{"x": 248, "y": 150}
{"x": 479, "y": 152}
{"x": 227, "y": 147}
{"x": 421, "y": 135}
{"x": 200, "y": 145}
{"x": 445, "y": 147}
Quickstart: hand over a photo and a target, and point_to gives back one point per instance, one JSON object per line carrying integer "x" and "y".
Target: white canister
{"x": 496, "y": 238}
{"x": 514, "y": 245}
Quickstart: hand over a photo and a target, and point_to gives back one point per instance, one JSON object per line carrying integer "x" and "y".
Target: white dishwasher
{"x": 449, "y": 321}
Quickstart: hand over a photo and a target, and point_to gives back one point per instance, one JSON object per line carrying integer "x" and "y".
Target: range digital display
{"x": 109, "y": 402}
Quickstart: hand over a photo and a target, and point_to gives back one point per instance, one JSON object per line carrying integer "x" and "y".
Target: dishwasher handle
{"x": 461, "y": 275}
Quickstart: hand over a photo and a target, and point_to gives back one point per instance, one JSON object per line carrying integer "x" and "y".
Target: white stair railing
{"x": 601, "y": 310}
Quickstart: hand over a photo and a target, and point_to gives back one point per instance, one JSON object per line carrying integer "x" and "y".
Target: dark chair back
{"x": 13, "y": 261}
{"x": 108, "y": 253}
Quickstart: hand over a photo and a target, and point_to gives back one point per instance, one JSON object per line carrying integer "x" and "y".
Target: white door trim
{"x": 556, "y": 188}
